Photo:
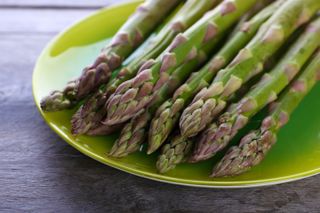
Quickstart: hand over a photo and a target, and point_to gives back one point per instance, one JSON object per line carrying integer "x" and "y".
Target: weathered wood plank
{"x": 17, "y": 21}
{"x": 76, "y": 4}
{"x": 41, "y": 173}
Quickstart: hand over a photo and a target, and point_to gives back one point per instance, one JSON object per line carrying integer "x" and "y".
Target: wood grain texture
{"x": 58, "y": 4}
{"x": 34, "y": 21}
{"x": 41, "y": 173}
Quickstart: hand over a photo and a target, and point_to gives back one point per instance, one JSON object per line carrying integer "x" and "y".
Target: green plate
{"x": 296, "y": 154}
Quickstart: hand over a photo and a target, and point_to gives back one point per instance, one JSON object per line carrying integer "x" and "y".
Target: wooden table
{"x": 39, "y": 172}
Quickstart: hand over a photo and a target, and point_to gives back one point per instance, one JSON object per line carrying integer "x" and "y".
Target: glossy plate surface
{"x": 296, "y": 154}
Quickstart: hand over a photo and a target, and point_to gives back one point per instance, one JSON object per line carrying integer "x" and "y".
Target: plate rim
{"x": 144, "y": 174}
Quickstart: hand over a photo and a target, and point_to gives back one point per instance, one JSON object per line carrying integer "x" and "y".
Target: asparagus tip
{"x": 77, "y": 126}
{"x": 217, "y": 174}
{"x": 152, "y": 147}
{"x": 151, "y": 150}
{"x": 116, "y": 153}
{"x": 56, "y": 101}
{"x": 194, "y": 159}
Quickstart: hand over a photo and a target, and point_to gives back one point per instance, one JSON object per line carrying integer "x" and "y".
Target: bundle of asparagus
{"x": 134, "y": 132}
{"x": 239, "y": 37}
{"x": 249, "y": 62}
{"x": 169, "y": 113}
{"x": 91, "y": 113}
{"x": 133, "y": 95}
{"x": 254, "y": 146}
{"x": 219, "y": 133}
{"x": 129, "y": 37}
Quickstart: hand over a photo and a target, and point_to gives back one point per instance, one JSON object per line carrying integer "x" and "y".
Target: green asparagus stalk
{"x": 249, "y": 62}
{"x": 130, "y": 36}
{"x": 134, "y": 132}
{"x": 174, "y": 153}
{"x": 93, "y": 111}
{"x": 218, "y": 134}
{"x": 169, "y": 112}
{"x": 257, "y": 8}
{"x": 133, "y": 95}
{"x": 254, "y": 146}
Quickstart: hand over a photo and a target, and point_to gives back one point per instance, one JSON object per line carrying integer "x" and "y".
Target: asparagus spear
{"x": 93, "y": 111}
{"x": 169, "y": 112}
{"x": 134, "y": 132}
{"x": 174, "y": 153}
{"x": 218, "y": 134}
{"x": 130, "y": 35}
{"x": 211, "y": 100}
{"x": 254, "y": 146}
{"x": 131, "y": 96}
